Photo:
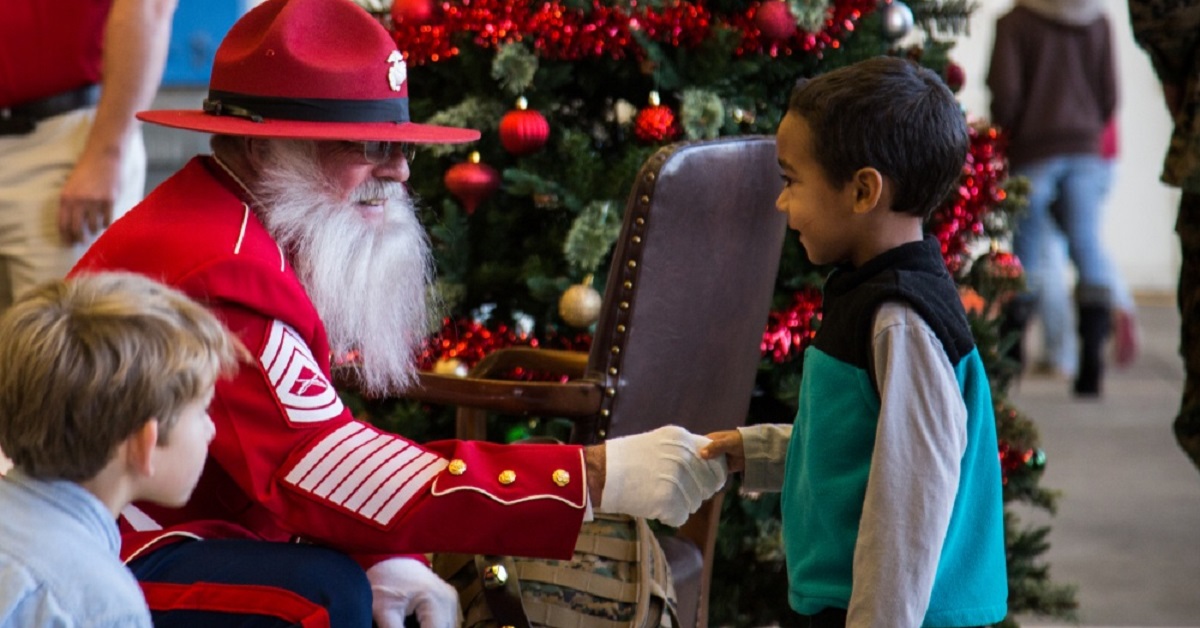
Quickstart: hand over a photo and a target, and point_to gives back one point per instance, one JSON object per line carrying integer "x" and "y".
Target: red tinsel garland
{"x": 558, "y": 32}
{"x": 959, "y": 222}
{"x": 469, "y": 341}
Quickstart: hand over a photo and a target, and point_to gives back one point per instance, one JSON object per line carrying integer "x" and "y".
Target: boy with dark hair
{"x": 103, "y": 401}
{"x": 892, "y": 506}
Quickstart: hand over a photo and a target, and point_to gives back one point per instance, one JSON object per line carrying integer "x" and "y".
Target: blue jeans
{"x": 1066, "y": 198}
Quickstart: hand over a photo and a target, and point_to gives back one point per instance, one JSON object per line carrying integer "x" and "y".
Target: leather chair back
{"x": 689, "y": 289}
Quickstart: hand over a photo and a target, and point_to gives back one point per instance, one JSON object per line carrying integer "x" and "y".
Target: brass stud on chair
{"x": 494, "y": 576}
{"x": 640, "y": 221}
{"x": 636, "y": 239}
{"x": 628, "y": 285}
{"x": 631, "y": 263}
{"x": 645, "y": 199}
{"x": 615, "y": 350}
{"x": 624, "y": 305}
{"x": 612, "y": 370}
{"x": 610, "y": 391}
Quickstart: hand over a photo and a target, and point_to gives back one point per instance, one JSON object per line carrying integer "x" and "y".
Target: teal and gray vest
{"x": 829, "y": 456}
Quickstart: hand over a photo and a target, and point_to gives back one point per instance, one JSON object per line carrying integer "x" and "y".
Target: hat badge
{"x": 397, "y": 71}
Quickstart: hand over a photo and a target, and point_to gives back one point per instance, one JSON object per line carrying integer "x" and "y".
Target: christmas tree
{"x": 572, "y": 97}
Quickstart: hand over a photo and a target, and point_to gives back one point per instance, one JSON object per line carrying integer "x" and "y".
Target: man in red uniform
{"x": 299, "y": 233}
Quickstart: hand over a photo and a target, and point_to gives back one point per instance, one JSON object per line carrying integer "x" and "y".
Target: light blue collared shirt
{"x": 59, "y": 559}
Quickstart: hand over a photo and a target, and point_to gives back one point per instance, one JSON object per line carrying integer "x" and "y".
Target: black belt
{"x": 23, "y": 118}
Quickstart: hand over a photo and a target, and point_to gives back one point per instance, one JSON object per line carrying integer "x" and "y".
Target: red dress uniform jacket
{"x": 288, "y": 460}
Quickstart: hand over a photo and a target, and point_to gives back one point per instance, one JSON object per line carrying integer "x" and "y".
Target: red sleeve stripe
{"x": 381, "y": 466}
{"x": 365, "y": 471}
{"x": 241, "y": 599}
{"x": 320, "y": 451}
{"x": 421, "y": 473}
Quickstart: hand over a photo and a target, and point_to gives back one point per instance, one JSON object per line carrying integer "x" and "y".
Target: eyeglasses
{"x": 379, "y": 152}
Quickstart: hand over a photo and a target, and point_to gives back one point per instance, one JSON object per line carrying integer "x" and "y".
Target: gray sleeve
{"x": 920, "y": 439}
{"x": 766, "y": 448}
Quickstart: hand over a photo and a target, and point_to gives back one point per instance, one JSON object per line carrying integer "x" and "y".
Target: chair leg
{"x": 701, "y": 529}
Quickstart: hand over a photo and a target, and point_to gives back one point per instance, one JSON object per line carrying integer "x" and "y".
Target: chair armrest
{"x": 565, "y": 399}
{"x": 573, "y": 364}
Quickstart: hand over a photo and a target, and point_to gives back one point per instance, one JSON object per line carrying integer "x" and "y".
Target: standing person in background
{"x": 1054, "y": 88}
{"x": 1169, "y": 31}
{"x": 72, "y": 75}
{"x": 1060, "y": 352}
{"x": 71, "y": 153}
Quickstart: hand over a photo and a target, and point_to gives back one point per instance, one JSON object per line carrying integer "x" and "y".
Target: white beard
{"x": 368, "y": 278}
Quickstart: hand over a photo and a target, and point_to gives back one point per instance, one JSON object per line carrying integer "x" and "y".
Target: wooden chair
{"x": 679, "y": 334}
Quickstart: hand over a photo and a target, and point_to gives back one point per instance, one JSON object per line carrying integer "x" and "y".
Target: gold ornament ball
{"x": 580, "y": 305}
{"x": 450, "y": 366}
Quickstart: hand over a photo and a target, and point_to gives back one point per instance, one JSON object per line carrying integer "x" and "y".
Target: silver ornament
{"x": 897, "y": 19}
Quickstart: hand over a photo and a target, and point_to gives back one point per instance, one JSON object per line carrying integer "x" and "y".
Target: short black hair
{"x": 890, "y": 114}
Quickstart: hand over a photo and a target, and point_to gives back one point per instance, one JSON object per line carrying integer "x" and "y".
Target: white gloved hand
{"x": 659, "y": 475}
{"x": 400, "y": 586}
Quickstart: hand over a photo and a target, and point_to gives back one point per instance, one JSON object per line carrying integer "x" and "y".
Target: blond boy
{"x": 104, "y": 390}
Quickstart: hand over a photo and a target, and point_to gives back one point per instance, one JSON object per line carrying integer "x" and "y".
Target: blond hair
{"x": 86, "y": 362}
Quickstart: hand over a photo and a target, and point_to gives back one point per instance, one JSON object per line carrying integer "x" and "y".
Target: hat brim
{"x": 192, "y": 120}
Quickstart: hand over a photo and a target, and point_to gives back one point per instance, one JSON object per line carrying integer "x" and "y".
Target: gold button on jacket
{"x": 561, "y": 477}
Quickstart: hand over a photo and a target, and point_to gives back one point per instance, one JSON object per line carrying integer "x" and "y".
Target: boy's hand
{"x": 728, "y": 444}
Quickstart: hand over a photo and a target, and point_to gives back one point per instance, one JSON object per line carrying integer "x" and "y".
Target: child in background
{"x": 892, "y": 509}
{"x": 104, "y": 391}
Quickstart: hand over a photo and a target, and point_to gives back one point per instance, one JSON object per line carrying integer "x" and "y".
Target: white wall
{"x": 1140, "y": 214}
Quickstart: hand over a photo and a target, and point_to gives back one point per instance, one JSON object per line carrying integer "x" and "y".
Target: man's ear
{"x": 140, "y": 448}
{"x": 256, "y": 152}
{"x": 867, "y": 186}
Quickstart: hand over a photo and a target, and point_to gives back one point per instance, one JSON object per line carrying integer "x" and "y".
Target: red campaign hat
{"x": 309, "y": 69}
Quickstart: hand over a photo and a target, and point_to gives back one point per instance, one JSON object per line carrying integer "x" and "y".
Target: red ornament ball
{"x": 523, "y": 131}
{"x": 413, "y": 11}
{"x": 655, "y": 123}
{"x": 472, "y": 182}
{"x": 1002, "y": 265}
{"x": 954, "y": 76}
{"x": 775, "y": 20}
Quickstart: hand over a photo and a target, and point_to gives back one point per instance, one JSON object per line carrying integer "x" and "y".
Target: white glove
{"x": 400, "y": 586}
{"x": 659, "y": 475}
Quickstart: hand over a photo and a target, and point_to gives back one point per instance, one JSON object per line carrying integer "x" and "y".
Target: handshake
{"x": 657, "y": 475}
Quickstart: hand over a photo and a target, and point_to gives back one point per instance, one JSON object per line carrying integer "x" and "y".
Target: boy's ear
{"x": 140, "y": 448}
{"x": 867, "y": 185}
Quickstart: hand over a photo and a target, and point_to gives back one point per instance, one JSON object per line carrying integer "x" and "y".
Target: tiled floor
{"x": 1127, "y": 531}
